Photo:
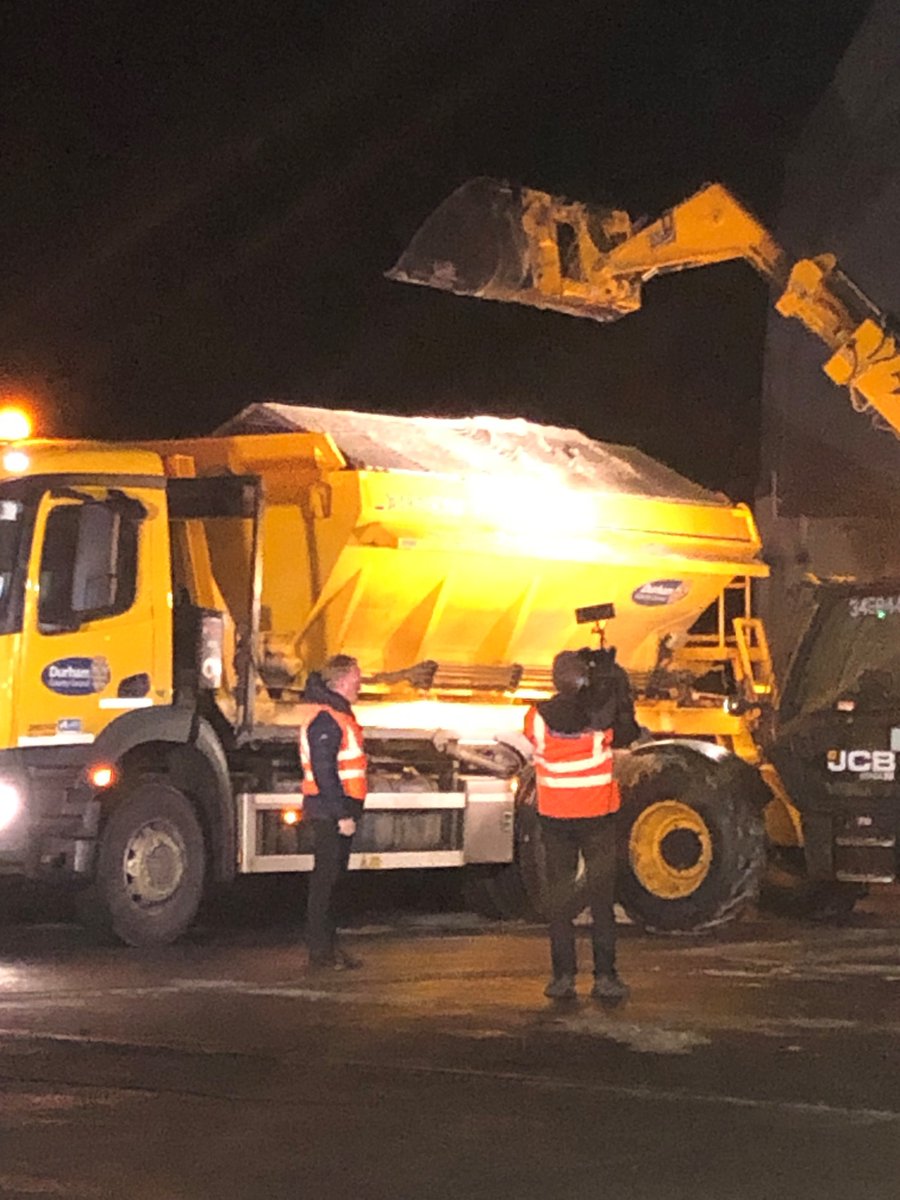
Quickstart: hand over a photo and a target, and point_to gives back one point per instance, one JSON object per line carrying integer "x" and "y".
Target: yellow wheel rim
{"x": 670, "y": 848}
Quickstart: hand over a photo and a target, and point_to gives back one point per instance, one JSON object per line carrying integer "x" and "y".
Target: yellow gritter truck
{"x": 161, "y": 606}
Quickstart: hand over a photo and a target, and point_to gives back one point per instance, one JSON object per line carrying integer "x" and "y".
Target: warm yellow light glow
{"x": 102, "y": 775}
{"x": 290, "y": 816}
{"x": 537, "y": 507}
{"x": 16, "y": 462}
{"x": 15, "y": 424}
{"x": 466, "y": 721}
{"x": 10, "y": 803}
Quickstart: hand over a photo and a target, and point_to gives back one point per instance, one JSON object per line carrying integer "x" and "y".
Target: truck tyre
{"x": 691, "y": 840}
{"x": 516, "y": 890}
{"x": 531, "y": 857}
{"x": 151, "y": 866}
{"x": 496, "y": 892}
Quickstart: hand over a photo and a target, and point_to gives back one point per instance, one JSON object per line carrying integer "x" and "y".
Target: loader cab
{"x": 837, "y": 742}
{"x": 848, "y": 661}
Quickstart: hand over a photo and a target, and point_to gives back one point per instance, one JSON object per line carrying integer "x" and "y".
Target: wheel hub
{"x": 670, "y": 849}
{"x": 154, "y": 864}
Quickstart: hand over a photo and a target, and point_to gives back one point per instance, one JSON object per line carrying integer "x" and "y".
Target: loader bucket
{"x": 472, "y": 244}
{"x": 475, "y": 244}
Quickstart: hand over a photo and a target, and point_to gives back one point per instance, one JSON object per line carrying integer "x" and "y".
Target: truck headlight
{"x": 10, "y": 803}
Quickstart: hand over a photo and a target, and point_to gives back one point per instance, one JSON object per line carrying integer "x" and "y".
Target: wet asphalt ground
{"x": 762, "y": 1062}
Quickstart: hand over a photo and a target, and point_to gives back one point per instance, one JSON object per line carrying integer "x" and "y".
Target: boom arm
{"x": 527, "y": 247}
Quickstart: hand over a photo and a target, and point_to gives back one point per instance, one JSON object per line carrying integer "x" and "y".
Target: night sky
{"x": 200, "y": 199}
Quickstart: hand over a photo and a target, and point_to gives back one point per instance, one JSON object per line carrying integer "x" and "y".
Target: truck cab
{"x": 85, "y": 634}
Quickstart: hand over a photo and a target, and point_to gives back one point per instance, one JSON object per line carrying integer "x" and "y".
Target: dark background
{"x": 199, "y": 201}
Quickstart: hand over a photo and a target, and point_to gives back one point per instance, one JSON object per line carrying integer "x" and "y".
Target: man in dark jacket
{"x": 334, "y": 791}
{"x": 573, "y": 734}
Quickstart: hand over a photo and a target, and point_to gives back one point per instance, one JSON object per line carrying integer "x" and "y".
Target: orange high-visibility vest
{"x": 574, "y": 772}
{"x": 351, "y": 759}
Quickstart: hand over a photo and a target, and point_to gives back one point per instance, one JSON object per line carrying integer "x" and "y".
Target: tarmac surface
{"x": 761, "y": 1062}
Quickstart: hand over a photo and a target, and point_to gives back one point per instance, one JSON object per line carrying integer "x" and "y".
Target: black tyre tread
{"x": 103, "y": 908}
{"x": 514, "y": 891}
{"x": 787, "y": 892}
{"x": 734, "y": 795}
{"x": 530, "y": 859}
{"x": 507, "y": 893}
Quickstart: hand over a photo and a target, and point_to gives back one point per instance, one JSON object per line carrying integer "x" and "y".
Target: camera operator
{"x": 573, "y": 734}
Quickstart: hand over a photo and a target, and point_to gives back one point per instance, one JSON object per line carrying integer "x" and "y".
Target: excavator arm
{"x": 524, "y": 246}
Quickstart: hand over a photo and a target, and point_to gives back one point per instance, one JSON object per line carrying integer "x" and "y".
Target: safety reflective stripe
{"x": 574, "y": 771}
{"x": 599, "y": 755}
{"x": 573, "y": 766}
{"x": 349, "y": 755}
{"x": 582, "y": 782}
{"x": 351, "y": 758}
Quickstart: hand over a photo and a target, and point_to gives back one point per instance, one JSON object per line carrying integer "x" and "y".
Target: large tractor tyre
{"x": 691, "y": 840}
{"x": 151, "y": 866}
{"x": 787, "y": 892}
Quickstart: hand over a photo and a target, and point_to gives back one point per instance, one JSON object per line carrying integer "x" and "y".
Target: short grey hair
{"x": 337, "y": 667}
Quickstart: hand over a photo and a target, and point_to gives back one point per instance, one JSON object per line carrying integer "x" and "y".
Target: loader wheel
{"x": 151, "y": 866}
{"x": 691, "y": 840}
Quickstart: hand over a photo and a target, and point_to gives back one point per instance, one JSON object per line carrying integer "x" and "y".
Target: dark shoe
{"x": 346, "y": 962}
{"x": 610, "y": 990}
{"x": 561, "y": 988}
{"x": 317, "y": 965}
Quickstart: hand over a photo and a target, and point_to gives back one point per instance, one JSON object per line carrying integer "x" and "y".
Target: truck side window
{"x": 88, "y": 564}
{"x": 11, "y": 522}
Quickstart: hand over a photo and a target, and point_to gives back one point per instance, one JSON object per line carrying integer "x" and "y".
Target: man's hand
{"x": 347, "y": 826}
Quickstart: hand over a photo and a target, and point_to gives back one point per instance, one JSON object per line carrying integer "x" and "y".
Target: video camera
{"x": 608, "y": 690}
{"x": 600, "y": 662}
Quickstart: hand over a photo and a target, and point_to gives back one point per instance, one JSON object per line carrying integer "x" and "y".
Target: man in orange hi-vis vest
{"x": 577, "y": 799}
{"x": 334, "y": 790}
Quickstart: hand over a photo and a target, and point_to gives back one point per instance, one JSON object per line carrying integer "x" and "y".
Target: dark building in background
{"x": 829, "y": 494}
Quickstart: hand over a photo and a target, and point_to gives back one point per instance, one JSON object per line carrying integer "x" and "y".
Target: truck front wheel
{"x": 691, "y": 840}
{"x": 151, "y": 866}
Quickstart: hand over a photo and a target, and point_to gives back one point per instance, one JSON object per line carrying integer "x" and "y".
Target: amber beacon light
{"x": 15, "y": 424}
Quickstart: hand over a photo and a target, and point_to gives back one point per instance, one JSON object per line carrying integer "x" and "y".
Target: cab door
{"x": 97, "y": 628}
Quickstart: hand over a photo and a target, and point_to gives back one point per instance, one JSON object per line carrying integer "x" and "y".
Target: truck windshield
{"x": 853, "y": 653}
{"x": 16, "y": 521}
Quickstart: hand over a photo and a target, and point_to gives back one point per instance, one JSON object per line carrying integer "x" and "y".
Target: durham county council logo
{"x": 660, "y": 591}
{"x": 76, "y": 676}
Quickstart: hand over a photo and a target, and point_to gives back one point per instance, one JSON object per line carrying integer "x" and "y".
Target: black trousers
{"x": 594, "y": 838}
{"x": 331, "y": 854}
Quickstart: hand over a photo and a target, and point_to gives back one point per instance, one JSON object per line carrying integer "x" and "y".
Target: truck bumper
{"x": 51, "y": 834}
{"x": 852, "y": 843}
